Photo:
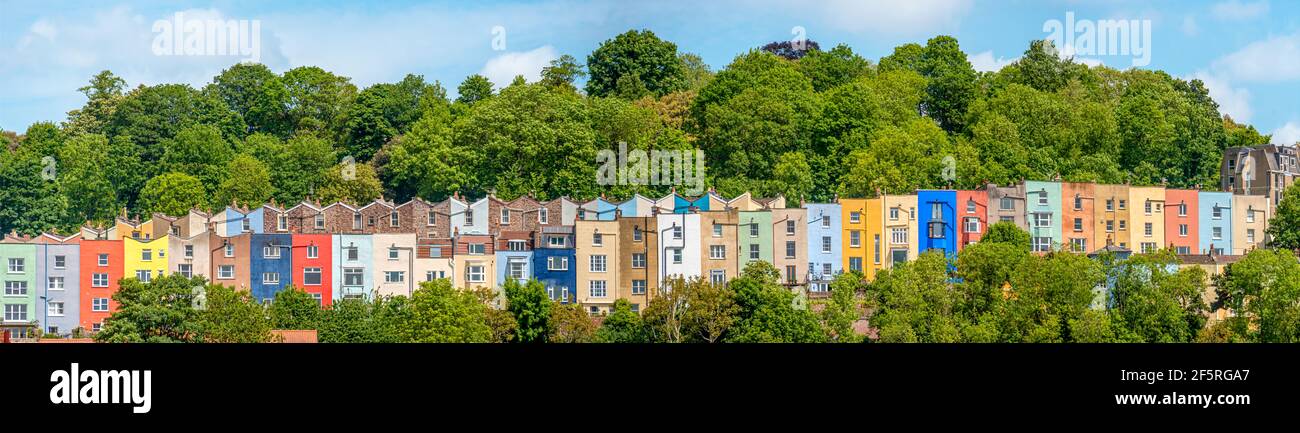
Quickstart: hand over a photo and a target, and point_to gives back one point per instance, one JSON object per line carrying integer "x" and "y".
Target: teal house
{"x": 1043, "y": 214}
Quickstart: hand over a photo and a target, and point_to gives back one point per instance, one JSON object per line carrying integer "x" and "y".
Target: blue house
{"x": 825, "y": 253}
{"x": 514, "y": 254}
{"x": 937, "y": 215}
{"x": 1215, "y": 215}
{"x": 555, "y": 263}
{"x": 270, "y": 267}
{"x": 353, "y": 266}
{"x": 238, "y": 222}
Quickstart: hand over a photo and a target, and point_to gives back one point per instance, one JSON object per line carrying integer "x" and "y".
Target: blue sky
{"x": 1247, "y": 52}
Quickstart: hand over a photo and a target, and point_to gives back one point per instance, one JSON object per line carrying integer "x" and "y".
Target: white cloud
{"x": 1236, "y": 10}
{"x": 502, "y": 70}
{"x": 1068, "y": 52}
{"x": 986, "y": 62}
{"x": 912, "y": 17}
{"x": 1233, "y": 101}
{"x": 1270, "y": 60}
{"x": 1288, "y": 134}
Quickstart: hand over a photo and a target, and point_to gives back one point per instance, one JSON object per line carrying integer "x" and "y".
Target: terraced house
{"x": 1043, "y": 213}
{"x": 637, "y": 259}
{"x": 1182, "y": 222}
{"x": 825, "y": 251}
{"x": 19, "y": 277}
{"x": 1148, "y": 217}
{"x": 790, "y": 244}
{"x": 598, "y": 261}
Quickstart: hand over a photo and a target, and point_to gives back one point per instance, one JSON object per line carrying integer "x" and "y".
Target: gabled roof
{"x": 339, "y": 203}
{"x": 379, "y": 202}
{"x": 306, "y": 203}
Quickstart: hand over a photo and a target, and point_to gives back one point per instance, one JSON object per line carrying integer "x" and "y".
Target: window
{"x": 1042, "y": 198}
{"x": 1123, "y": 204}
{"x": 394, "y": 254}
{"x": 636, "y": 234}
{"x": 270, "y": 278}
{"x": 789, "y": 227}
{"x": 271, "y": 252}
{"x": 1148, "y": 247}
{"x": 95, "y": 327}
{"x": 225, "y": 272}
{"x": 677, "y": 256}
{"x": 311, "y": 276}
{"x": 1250, "y": 214}
{"x": 1123, "y": 224}
{"x": 281, "y": 222}
{"x": 790, "y": 275}
{"x": 15, "y": 288}
{"x": 144, "y": 275}
{"x": 189, "y": 251}
{"x": 855, "y": 239}
{"x": 99, "y": 304}
{"x": 1078, "y": 202}
{"x": 555, "y": 263}
{"x": 354, "y": 277}
{"x": 564, "y": 295}
{"x": 826, "y": 244}
{"x": 54, "y": 283}
{"x": 972, "y": 225}
{"x": 717, "y": 252}
{"x": 432, "y": 219}
{"x": 1146, "y": 207}
{"x": 356, "y": 221}
{"x": 753, "y": 252}
{"x": 1110, "y": 226}
{"x": 1006, "y": 204}
{"x": 1183, "y": 250}
{"x": 477, "y": 249}
{"x": 597, "y": 288}
{"x": 394, "y": 220}
{"x": 717, "y": 276}
{"x": 638, "y": 287}
{"x": 433, "y": 275}
{"x": 320, "y": 221}
{"x": 638, "y": 260}
{"x": 517, "y": 245}
{"x": 54, "y": 309}
{"x": 1079, "y": 245}
{"x": 1250, "y": 236}
{"x": 313, "y": 252}
{"x": 1078, "y": 224}
{"x": 753, "y": 229}
{"x": 394, "y": 276}
{"x": 17, "y": 266}
{"x": 1042, "y": 220}
{"x": 677, "y": 232}
{"x": 856, "y": 217}
{"x": 826, "y": 222}
{"x": 877, "y": 257}
{"x": 229, "y": 249}
{"x": 970, "y": 206}
{"x": 717, "y": 230}
{"x": 351, "y": 253}
{"x": 1182, "y": 230}
{"x": 596, "y": 240}
{"x": 469, "y": 217}
{"x": 15, "y": 312}
{"x": 185, "y": 269}
{"x": 898, "y": 235}
{"x": 855, "y": 264}
{"x": 598, "y": 263}
{"x": 1217, "y": 233}
{"x": 582, "y": 214}
{"x": 1218, "y": 212}
{"x": 556, "y": 241}
{"x": 789, "y": 249}
{"x": 99, "y": 280}
{"x": 1182, "y": 209}
{"x": 542, "y": 215}
{"x": 826, "y": 268}
{"x": 1148, "y": 229}
{"x": 893, "y": 214}
{"x": 60, "y": 262}
{"x": 505, "y": 216}
{"x": 146, "y": 255}
{"x": 1042, "y": 243}
{"x": 246, "y": 225}
{"x": 103, "y": 260}
{"x": 936, "y": 211}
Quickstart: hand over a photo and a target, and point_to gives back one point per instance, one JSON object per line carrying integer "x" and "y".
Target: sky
{"x": 1247, "y": 52}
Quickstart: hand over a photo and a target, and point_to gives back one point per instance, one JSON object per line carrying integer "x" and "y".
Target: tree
{"x": 828, "y": 69}
{"x": 256, "y": 95}
{"x": 84, "y": 185}
{"x": 790, "y": 50}
{"x": 951, "y": 85}
{"x": 1262, "y": 289}
{"x": 914, "y": 303}
{"x": 792, "y": 177}
{"x": 172, "y": 194}
{"x": 200, "y": 152}
{"x": 639, "y": 54}
{"x": 569, "y": 324}
{"x": 29, "y": 204}
{"x": 294, "y": 308}
{"x": 160, "y": 311}
{"x": 386, "y": 110}
{"x": 248, "y": 182}
{"x": 317, "y": 100}
{"x": 476, "y": 88}
{"x": 350, "y": 183}
{"x": 1007, "y": 232}
{"x": 1284, "y": 227}
{"x": 531, "y": 309}
{"x": 843, "y": 310}
{"x": 1158, "y": 302}
{"x": 439, "y": 313}
{"x": 767, "y": 313}
{"x": 103, "y": 94}
{"x": 622, "y": 325}
{"x": 561, "y": 73}
{"x": 696, "y": 72}
{"x": 233, "y": 316}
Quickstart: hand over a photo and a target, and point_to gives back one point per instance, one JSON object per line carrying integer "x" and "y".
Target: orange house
{"x": 1078, "y": 201}
{"x": 1181, "y": 222}
{"x": 102, "y": 264}
{"x": 972, "y": 217}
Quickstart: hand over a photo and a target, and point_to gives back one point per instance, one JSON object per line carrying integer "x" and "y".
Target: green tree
{"x": 844, "y": 308}
{"x": 569, "y": 324}
{"x": 531, "y": 309}
{"x": 233, "y": 316}
{"x": 439, "y": 313}
{"x": 476, "y": 88}
{"x": 351, "y": 183}
{"x": 294, "y": 308}
{"x": 102, "y": 96}
{"x": 172, "y": 194}
{"x": 256, "y": 95}
{"x": 561, "y": 73}
{"x": 622, "y": 325}
{"x": 1284, "y": 227}
{"x": 160, "y": 311}
{"x": 1158, "y": 302}
{"x": 88, "y": 191}
{"x": 317, "y": 100}
{"x": 1262, "y": 289}
{"x": 639, "y": 54}
{"x": 248, "y": 182}
{"x": 1007, "y": 232}
{"x": 767, "y": 313}
{"x": 200, "y": 152}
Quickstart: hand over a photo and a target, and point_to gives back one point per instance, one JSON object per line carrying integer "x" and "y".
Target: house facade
{"x": 937, "y": 221}
{"x": 719, "y": 245}
{"x": 1111, "y": 216}
{"x": 1216, "y": 223}
{"x": 825, "y": 252}
{"x": 638, "y": 244}
{"x": 1043, "y": 215}
{"x": 313, "y": 266}
{"x": 555, "y": 263}
{"x": 1250, "y": 215}
{"x": 679, "y": 246}
{"x": 1078, "y": 216}
{"x": 973, "y": 217}
{"x": 102, "y": 268}
{"x": 1182, "y": 222}
{"x": 270, "y": 264}
{"x": 598, "y": 255}
{"x": 1147, "y": 216}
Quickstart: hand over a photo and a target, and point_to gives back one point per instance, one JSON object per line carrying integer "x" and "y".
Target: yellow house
{"x": 144, "y": 259}
{"x": 862, "y": 239}
{"x": 597, "y": 264}
{"x": 1146, "y": 218}
{"x": 1250, "y": 215}
{"x": 899, "y": 229}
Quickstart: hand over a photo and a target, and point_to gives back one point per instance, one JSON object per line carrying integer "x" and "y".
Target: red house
{"x": 972, "y": 217}
{"x": 312, "y": 266}
{"x": 101, "y": 268}
{"x": 1182, "y": 224}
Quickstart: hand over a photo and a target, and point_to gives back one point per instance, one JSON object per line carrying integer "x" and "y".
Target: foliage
{"x": 531, "y": 309}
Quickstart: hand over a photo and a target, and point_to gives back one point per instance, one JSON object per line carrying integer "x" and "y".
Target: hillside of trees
{"x": 806, "y": 124}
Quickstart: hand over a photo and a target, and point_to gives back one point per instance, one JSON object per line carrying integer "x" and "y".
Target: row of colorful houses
{"x": 593, "y": 253}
